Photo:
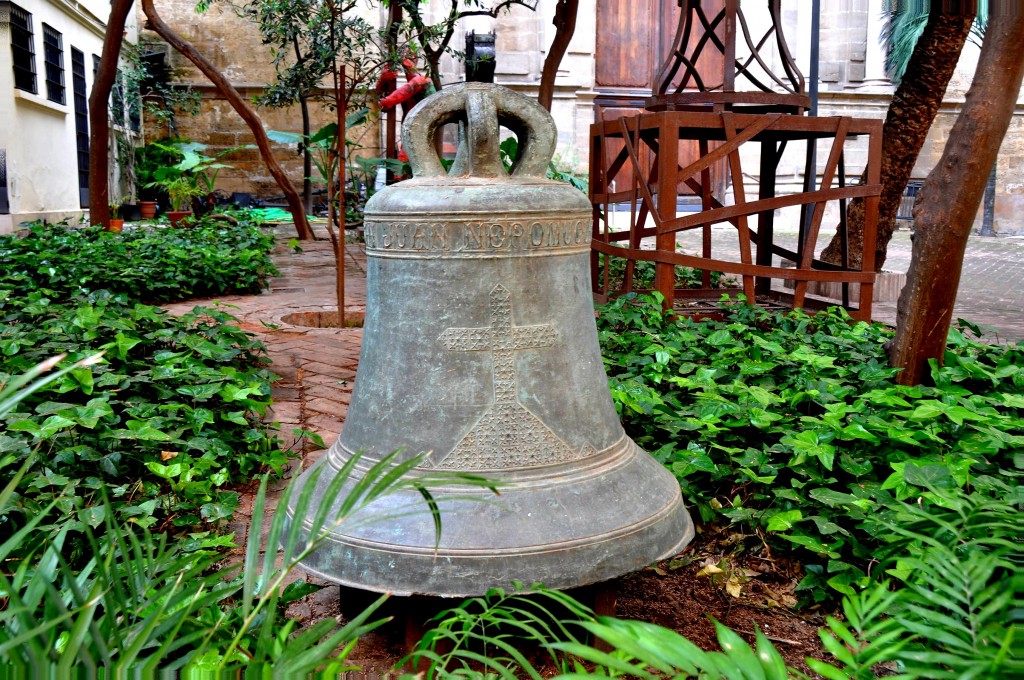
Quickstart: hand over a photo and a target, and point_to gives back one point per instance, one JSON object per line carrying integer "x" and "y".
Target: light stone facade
{"x": 851, "y": 82}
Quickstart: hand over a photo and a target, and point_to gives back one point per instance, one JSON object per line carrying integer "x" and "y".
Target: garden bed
{"x": 813, "y": 476}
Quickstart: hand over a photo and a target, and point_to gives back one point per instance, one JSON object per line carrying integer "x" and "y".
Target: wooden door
{"x": 634, "y": 37}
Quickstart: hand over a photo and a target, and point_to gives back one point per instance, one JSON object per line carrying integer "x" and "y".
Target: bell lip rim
{"x": 665, "y": 515}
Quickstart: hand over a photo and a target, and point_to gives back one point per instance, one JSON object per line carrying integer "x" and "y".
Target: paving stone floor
{"x": 991, "y": 282}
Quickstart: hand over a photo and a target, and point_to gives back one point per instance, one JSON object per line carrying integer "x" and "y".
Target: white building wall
{"x": 38, "y": 135}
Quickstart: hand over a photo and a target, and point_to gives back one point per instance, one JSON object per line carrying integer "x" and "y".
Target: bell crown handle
{"x": 483, "y": 107}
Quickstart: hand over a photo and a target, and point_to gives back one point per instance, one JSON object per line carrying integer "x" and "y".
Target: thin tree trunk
{"x": 910, "y": 116}
{"x": 99, "y": 121}
{"x": 307, "y": 156}
{"x": 339, "y": 92}
{"x": 242, "y": 108}
{"x": 565, "y": 26}
{"x": 948, "y": 201}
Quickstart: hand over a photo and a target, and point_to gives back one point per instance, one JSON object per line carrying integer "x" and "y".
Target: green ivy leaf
{"x": 143, "y": 431}
{"x": 93, "y": 515}
{"x": 232, "y": 392}
{"x": 719, "y": 338}
{"x": 782, "y": 521}
{"x": 172, "y": 471}
{"x": 835, "y": 499}
{"x": 122, "y": 345}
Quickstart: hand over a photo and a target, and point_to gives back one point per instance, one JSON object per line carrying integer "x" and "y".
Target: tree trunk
{"x": 910, "y": 116}
{"x": 565, "y": 26}
{"x": 307, "y": 156}
{"x": 948, "y": 201}
{"x": 99, "y": 120}
{"x": 339, "y": 252}
{"x": 241, "y": 107}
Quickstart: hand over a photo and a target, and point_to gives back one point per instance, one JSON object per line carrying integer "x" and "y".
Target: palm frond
{"x": 484, "y": 634}
{"x": 958, "y": 614}
{"x": 902, "y": 26}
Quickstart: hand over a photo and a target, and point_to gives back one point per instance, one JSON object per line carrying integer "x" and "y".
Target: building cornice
{"x": 72, "y": 8}
{"x": 80, "y": 13}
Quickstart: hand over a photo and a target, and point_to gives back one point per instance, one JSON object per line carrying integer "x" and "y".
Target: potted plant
{"x": 181, "y": 188}
{"x": 194, "y": 176}
{"x": 153, "y": 162}
{"x": 115, "y": 223}
{"x": 147, "y": 210}
{"x": 205, "y": 169}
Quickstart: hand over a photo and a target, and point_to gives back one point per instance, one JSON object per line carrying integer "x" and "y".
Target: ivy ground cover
{"x": 170, "y": 417}
{"x": 792, "y": 427}
{"x": 150, "y": 265}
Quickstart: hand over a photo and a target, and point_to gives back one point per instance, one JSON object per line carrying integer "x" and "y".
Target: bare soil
{"x": 684, "y": 594}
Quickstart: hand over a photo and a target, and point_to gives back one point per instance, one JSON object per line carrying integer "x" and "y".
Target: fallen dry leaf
{"x": 708, "y": 570}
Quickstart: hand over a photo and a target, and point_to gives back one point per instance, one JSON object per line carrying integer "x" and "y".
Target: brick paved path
{"x": 317, "y": 365}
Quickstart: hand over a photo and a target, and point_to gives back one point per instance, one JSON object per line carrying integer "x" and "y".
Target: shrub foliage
{"x": 792, "y": 426}
{"x": 171, "y": 415}
{"x": 165, "y": 421}
{"x": 151, "y": 265}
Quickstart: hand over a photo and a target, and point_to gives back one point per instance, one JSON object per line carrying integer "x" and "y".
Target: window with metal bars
{"x": 81, "y": 123}
{"x": 5, "y": 206}
{"x": 53, "y": 55}
{"x": 23, "y": 49}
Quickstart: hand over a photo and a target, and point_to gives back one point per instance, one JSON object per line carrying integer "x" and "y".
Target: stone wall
{"x": 852, "y": 82}
{"x": 233, "y": 45}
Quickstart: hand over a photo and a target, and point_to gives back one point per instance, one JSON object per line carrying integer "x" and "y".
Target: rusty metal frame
{"x": 720, "y": 32}
{"x": 654, "y": 189}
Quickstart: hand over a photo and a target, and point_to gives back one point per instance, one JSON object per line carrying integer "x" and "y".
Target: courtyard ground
{"x": 318, "y": 370}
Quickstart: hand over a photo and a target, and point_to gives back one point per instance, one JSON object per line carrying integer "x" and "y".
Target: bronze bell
{"x": 480, "y": 348}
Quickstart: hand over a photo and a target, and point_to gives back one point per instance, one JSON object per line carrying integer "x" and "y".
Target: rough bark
{"x": 949, "y": 200}
{"x": 241, "y": 107}
{"x": 339, "y": 246}
{"x": 307, "y": 156}
{"x": 99, "y": 121}
{"x": 565, "y": 27}
{"x": 910, "y": 116}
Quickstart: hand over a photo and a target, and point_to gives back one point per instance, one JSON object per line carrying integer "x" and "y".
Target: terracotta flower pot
{"x": 176, "y": 216}
{"x": 147, "y": 209}
{"x": 115, "y": 226}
